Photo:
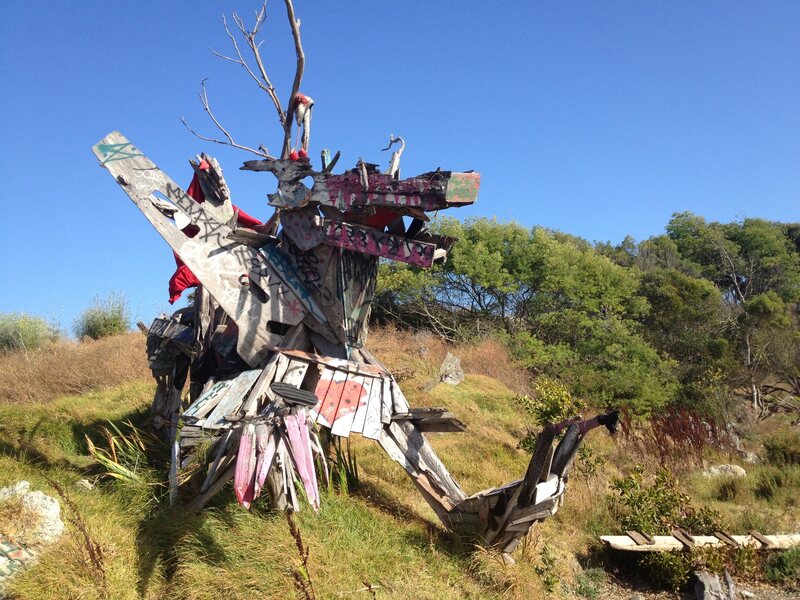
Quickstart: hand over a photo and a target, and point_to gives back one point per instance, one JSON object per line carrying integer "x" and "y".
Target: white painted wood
{"x": 361, "y": 414}
{"x": 216, "y": 261}
{"x": 399, "y": 402}
{"x": 372, "y": 424}
{"x": 667, "y": 542}
{"x": 295, "y": 371}
{"x": 386, "y": 401}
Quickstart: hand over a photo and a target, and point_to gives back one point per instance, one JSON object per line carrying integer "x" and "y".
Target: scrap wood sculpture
{"x": 274, "y": 343}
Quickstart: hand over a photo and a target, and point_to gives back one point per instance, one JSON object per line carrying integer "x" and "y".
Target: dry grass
{"x": 71, "y": 368}
{"x": 419, "y": 354}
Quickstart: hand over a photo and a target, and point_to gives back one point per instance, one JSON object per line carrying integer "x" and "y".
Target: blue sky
{"x": 599, "y": 119}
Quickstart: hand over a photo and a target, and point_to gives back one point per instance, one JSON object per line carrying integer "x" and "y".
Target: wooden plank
{"x": 541, "y": 451}
{"x": 234, "y": 396}
{"x": 641, "y": 539}
{"x": 329, "y": 404}
{"x": 334, "y": 363}
{"x": 366, "y": 240}
{"x": 321, "y": 391}
{"x": 289, "y": 276}
{"x": 765, "y": 542}
{"x": 372, "y": 420}
{"x": 239, "y": 277}
{"x": 726, "y": 538}
{"x": 665, "y": 543}
{"x": 360, "y": 418}
{"x": 430, "y": 191}
{"x": 686, "y": 540}
{"x": 399, "y": 402}
{"x": 250, "y": 404}
{"x": 208, "y": 399}
{"x": 354, "y": 396}
{"x": 386, "y": 401}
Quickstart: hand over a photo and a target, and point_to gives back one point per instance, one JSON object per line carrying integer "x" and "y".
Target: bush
{"x": 24, "y": 332}
{"x": 656, "y": 509}
{"x": 103, "y": 318}
{"x": 784, "y": 567}
{"x": 783, "y": 448}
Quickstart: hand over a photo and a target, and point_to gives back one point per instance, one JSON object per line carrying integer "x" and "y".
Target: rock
{"x": 750, "y": 458}
{"x": 451, "y": 371}
{"x": 636, "y": 597}
{"x": 15, "y": 555}
{"x": 708, "y": 587}
{"x": 19, "y": 489}
{"x": 746, "y": 594}
{"x": 725, "y": 470}
{"x": 85, "y": 485}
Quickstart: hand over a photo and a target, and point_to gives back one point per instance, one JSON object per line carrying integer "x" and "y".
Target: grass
{"x": 70, "y": 368}
{"x": 381, "y": 535}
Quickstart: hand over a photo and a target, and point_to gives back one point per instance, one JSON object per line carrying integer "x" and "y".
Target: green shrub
{"x": 784, "y": 567}
{"x": 656, "y": 509}
{"x": 783, "y": 448}
{"x": 103, "y": 318}
{"x": 25, "y": 332}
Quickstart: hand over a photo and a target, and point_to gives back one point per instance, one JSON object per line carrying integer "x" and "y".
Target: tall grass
{"x": 68, "y": 368}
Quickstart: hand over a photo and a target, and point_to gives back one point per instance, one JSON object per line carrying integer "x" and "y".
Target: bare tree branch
{"x": 203, "y": 94}
{"x": 294, "y": 23}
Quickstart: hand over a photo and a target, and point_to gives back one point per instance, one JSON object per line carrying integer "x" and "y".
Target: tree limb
{"x": 294, "y": 23}
{"x": 203, "y": 94}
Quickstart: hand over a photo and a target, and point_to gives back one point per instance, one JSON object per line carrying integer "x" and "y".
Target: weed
{"x": 730, "y": 489}
{"x": 551, "y": 401}
{"x": 546, "y": 570}
{"x": 93, "y": 555}
{"x": 679, "y": 438}
{"x": 300, "y": 575}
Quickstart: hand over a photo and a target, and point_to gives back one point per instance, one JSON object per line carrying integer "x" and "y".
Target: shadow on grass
{"x": 160, "y": 537}
{"x": 454, "y": 544}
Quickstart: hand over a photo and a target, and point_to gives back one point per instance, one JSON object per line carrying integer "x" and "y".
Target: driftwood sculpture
{"x": 274, "y": 343}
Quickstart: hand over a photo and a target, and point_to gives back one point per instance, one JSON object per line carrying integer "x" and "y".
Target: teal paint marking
{"x": 289, "y": 276}
{"x": 113, "y": 152}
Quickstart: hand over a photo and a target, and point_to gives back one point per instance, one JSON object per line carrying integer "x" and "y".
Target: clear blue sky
{"x": 599, "y": 119}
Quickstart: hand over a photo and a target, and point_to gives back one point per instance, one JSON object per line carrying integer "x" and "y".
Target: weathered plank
{"x": 665, "y": 543}
{"x": 234, "y": 396}
{"x": 366, "y": 240}
{"x": 355, "y": 397}
{"x": 372, "y": 412}
{"x": 430, "y": 191}
{"x": 239, "y": 277}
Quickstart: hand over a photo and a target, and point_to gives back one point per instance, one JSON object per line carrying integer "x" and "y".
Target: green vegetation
{"x": 25, "y": 332}
{"x": 104, "y": 318}
{"x": 681, "y": 320}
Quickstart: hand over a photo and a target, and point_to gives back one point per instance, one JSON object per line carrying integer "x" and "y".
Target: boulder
{"x": 725, "y": 471}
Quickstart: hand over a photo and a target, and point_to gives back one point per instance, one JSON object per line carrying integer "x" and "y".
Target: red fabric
{"x": 245, "y": 220}
{"x": 381, "y": 218}
{"x": 183, "y": 278}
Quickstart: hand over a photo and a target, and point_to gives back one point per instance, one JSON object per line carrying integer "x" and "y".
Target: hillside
{"x": 380, "y": 535}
